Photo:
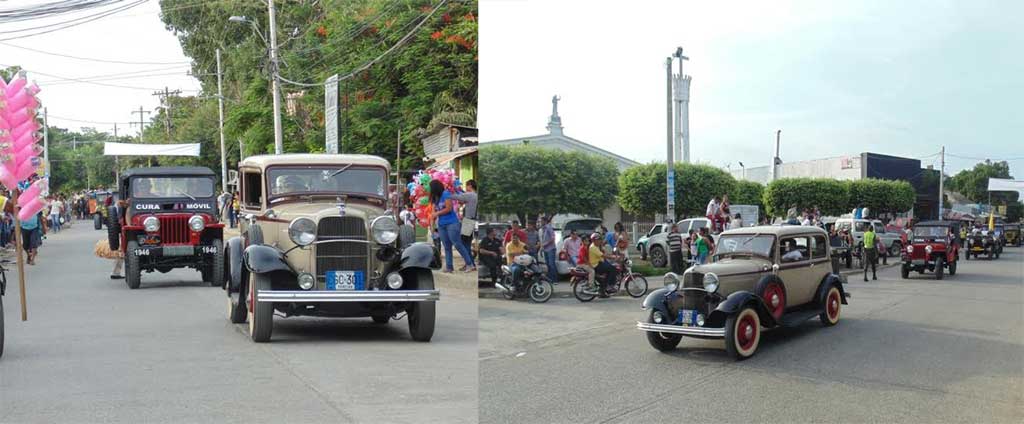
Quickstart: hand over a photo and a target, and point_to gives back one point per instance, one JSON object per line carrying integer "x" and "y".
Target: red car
{"x": 935, "y": 247}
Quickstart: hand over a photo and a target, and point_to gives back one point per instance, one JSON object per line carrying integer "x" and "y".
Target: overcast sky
{"x": 837, "y": 78}
{"x": 134, "y": 35}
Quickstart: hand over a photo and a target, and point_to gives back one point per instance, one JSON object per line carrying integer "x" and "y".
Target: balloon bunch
{"x": 419, "y": 191}
{"x": 19, "y": 148}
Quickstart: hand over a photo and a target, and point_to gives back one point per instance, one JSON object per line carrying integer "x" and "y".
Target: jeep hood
{"x": 732, "y": 266}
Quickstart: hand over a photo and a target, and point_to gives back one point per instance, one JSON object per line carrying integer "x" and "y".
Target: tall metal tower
{"x": 681, "y": 98}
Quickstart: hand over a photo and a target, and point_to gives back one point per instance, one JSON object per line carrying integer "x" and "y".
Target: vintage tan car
{"x": 317, "y": 239}
{"x": 759, "y": 278}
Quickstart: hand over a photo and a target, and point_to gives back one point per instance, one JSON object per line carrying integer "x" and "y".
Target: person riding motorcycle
{"x": 601, "y": 261}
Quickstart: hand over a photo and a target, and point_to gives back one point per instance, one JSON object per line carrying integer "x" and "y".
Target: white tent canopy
{"x": 126, "y": 149}
{"x": 999, "y": 184}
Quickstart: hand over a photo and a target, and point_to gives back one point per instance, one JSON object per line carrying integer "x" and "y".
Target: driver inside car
{"x": 144, "y": 188}
{"x": 289, "y": 184}
{"x": 792, "y": 252}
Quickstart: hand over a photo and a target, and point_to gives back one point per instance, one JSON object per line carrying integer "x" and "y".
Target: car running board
{"x": 794, "y": 319}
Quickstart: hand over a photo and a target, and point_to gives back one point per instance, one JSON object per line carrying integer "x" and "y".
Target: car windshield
{"x": 758, "y": 244}
{"x": 930, "y": 232}
{"x": 160, "y": 187}
{"x": 861, "y": 226}
{"x": 327, "y": 180}
{"x": 585, "y": 226}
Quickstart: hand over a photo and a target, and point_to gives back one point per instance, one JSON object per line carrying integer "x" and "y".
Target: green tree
{"x": 642, "y": 189}
{"x": 747, "y": 193}
{"x": 528, "y": 180}
{"x": 828, "y": 195}
{"x": 973, "y": 183}
{"x": 1014, "y": 211}
{"x": 881, "y": 196}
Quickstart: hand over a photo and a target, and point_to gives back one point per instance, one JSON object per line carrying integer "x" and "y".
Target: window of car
{"x": 862, "y": 226}
{"x": 252, "y": 193}
{"x": 879, "y": 228}
{"x": 164, "y": 187}
{"x": 818, "y": 248}
{"x": 698, "y": 224}
{"x": 794, "y": 249}
{"x": 845, "y": 225}
{"x": 655, "y": 230}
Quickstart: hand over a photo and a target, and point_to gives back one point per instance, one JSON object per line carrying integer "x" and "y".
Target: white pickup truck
{"x": 892, "y": 240}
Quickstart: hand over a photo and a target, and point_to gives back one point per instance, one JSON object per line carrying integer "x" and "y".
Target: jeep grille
{"x": 174, "y": 229}
{"x": 341, "y": 256}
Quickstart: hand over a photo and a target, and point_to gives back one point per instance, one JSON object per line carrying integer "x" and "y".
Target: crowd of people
{"x": 452, "y": 223}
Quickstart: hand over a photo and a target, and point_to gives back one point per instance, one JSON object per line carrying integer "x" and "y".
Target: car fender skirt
{"x": 261, "y": 259}
{"x": 657, "y": 300}
{"x": 233, "y": 248}
{"x": 733, "y": 304}
{"x": 829, "y": 281}
{"x": 417, "y": 255}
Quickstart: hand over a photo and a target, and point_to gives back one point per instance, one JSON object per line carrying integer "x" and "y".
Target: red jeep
{"x": 935, "y": 246}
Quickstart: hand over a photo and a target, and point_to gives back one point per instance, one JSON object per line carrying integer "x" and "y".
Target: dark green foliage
{"x": 881, "y": 196}
{"x": 830, "y": 196}
{"x": 1014, "y": 211}
{"x": 747, "y": 193}
{"x": 973, "y": 183}
{"x": 642, "y": 189}
{"x": 528, "y": 180}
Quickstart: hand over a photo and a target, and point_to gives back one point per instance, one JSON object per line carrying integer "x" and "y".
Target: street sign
{"x": 331, "y": 113}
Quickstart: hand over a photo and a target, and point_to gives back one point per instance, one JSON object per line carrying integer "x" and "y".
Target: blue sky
{"x": 837, "y": 78}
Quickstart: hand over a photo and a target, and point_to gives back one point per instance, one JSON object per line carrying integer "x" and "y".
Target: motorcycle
{"x": 525, "y": 277}
{"x": 635, "y": 283}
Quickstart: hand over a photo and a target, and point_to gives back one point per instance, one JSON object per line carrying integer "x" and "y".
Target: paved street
{"x": 95, "y": 351}
{"x": 914, "y": 350}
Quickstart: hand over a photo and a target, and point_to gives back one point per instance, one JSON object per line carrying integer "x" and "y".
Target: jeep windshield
{"x": 930, "y": 232}
{"x": 163, "y": 187}
{"x": 327, "y": 180}
{"x": 745, "y": 244}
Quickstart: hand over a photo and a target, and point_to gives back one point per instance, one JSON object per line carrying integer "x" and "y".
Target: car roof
{"x": 262, "y": 161}
{"x": 936, "y": 224}
{"x": 160, "y": 171}
{"x": 778, "y": 230}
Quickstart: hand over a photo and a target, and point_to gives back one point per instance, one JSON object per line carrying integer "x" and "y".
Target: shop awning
{"x": 126, "y": 149}
{"x": 442, "y": 159}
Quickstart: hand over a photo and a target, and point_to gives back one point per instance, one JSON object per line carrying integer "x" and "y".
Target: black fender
{"x": 261, "y": 259}
{"x": 736, "y": 301}
{"x": 658, "y": 300}
{"x": 233, "y": 255}
{"x": 417, "y": 255}
{"x": 829, "y": 281}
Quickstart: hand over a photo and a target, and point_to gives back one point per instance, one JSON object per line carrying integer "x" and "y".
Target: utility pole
{"x": 165, "y": 101}
{"x": 670, "y": 175}
{"x": 141, "y": 122}
{"x": 46, "y": 140}
{"x": 398, "y": 169}
{"x": 682, "y": 104}
{"x": 275, "y": 82}
{"x": 220, "y": 110}
{"x": 942, "y": 173}
{"x": 775, "y": 160}
{"x": 74, "y": 142}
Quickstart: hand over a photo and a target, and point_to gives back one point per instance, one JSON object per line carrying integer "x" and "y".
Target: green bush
{"x": 642, "y": 188}
{"x": 881, "y": 196}
{"x": 747, "y": 193}
{"x": 828, "y": 195}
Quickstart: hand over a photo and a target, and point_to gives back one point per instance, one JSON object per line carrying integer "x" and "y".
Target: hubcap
{"x": 748, "y": 332}
{"x": 775, "y": 300}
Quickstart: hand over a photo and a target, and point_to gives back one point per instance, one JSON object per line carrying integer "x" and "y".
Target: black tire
{"x": 741, "y": 343}
{"x": 97, "y": 221}
{"x": 636, "y": 285}
{"x": 509, "y": 294}
{"x": 905, "y": 271}
{"x": 895, "y": 248}
{"x": 643, "y": 252}
{"x": 658, "y": 257}
{"x": 261, "y": 323}
{"x": 217, "y": 268}
{"x": 940, "y": 267}
{"x": 577, "y": 291}
{"x": 237, "y": 310}
{"x": 834, "y": 300}
{"x": 132, "y": 268}
{"x": 422, "y": 315}
{"x": 661, "y": 341}
{"x": 952, "y": 267}
{"x": 540, "y": 291}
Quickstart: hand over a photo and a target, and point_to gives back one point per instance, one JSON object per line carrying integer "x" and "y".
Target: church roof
{"x": 548, "y": 139}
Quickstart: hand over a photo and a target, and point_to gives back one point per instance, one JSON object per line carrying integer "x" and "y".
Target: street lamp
{"x": 744, "y": 170}
{"x": 274, "y": 77}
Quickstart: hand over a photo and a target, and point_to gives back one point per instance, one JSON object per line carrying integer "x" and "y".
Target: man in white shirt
{"x": 55, "y": 212}
{"x": 714, "y": 208}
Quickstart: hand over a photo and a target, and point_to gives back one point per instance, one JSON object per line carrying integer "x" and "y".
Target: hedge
{"x": 642, "y": 188}
{"x": 835, "y": 197}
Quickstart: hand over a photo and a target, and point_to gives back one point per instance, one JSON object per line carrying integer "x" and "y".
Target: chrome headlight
{"x": 928, "y": 249}
{"x": 302, "y": 231}
{"x": 384, "y": 229}
{"x": 910, "y": 249}
{"x": 710, "y": 282}
{"x": 672, "y": 281}
{"x": 196, "y": 223}
{"x": 306, "y": 281}
{"x": 151, "y": 224}
{"x": 394, "y": 281}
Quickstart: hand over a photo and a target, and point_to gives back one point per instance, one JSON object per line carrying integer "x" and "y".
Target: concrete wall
{"x": 839, "y": 167}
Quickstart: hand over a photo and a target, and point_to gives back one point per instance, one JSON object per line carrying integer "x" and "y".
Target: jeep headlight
{"x": 384, "y": 229}
{"x": 910, "y": 248}
{"x": 196, "y": 223}
{"x": 711, "y": 282}
{"x": 302, "y": 231}
{"x": 672, "y": 281}
{"x": 151, "y": 224}
{"x": 928, "y": 249}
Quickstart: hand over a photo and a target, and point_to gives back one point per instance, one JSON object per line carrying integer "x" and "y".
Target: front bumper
{"x": 167, "y": 251}
{"x": 348, "y": 296}
{"x": 679, "y": 329}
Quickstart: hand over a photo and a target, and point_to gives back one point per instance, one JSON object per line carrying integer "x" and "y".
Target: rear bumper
{"x": 348, "y": 296}
{"x": 678, "y": 329}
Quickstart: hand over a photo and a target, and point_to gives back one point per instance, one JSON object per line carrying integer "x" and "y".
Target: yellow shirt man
{"x": 514, "y": 248}
{"x": 595, "y": 255}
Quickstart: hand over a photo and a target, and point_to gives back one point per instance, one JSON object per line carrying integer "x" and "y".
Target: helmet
{"x": 595, "y": 236}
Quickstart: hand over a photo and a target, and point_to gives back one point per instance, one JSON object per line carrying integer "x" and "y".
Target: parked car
{"x": 934, "y": 247}
{"x": 641, "y": 245}
{"x": 584, "y": 227}
{"x": 658, "y": 243}
{"x": 1012, "y": 234}
{"x": 760, "y": 278}
{"x": 982, "y": 242}
{"x": 170, "y": 222}
{"x": 893, "y": 240}
{"x": 317, "y": 239}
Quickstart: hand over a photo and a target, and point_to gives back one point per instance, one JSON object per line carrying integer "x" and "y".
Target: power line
{"x": 984, "y": 159}
{"x": 47, "y": 10}
{"x": 91, "y": 59}
{"x": 87, "y": 19}
{"x": 91, "y": 82}
{"x": 85, "y": 121}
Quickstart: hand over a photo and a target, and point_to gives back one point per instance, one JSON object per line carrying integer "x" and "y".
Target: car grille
{"x": 174, "y": 229}
{"x": 693, "y": 299}
{"x": 341, "y": 256}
